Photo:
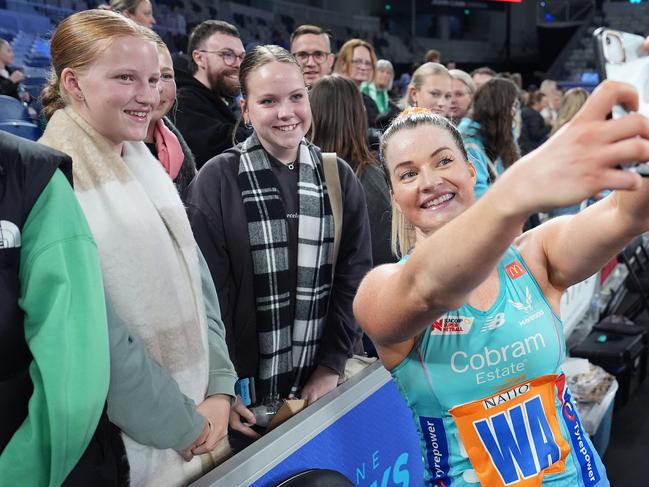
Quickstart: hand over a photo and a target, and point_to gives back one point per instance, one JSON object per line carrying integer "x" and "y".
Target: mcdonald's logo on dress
{"x": 515, "y": 269}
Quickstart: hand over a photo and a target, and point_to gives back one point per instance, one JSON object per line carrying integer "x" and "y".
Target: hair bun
{"x": 410, "y": 111}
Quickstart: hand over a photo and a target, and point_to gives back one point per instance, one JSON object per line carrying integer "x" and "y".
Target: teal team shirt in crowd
{"x": 489, "y": 398}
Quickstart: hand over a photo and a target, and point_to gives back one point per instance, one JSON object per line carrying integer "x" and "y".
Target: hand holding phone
{"x": 622, "y": 56}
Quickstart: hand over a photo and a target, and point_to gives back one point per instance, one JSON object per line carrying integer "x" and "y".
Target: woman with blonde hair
{"x": 572, "y": 102}
{"x": 430, "y": 88}
{"x": 139, "y": 11}
{"x": 551, "y": 91}
{"x": 163, "y": 139}
{"x": 468, "y": 322}
{"x": 171, "y": 380}
{"x": 357, "y": 61}
{"x": 463, "y": 88}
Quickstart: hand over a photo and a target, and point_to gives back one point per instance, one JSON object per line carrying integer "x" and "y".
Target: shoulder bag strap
{"x": 332, "y": 178}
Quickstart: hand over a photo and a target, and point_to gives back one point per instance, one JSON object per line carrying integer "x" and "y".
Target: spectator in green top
{"x": 378, "y": 89}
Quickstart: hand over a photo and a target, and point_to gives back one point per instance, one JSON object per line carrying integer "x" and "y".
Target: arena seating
{"x": 579, "y": 63}
{"x": 12, "y": 109}
{"x": 27, "y": 130}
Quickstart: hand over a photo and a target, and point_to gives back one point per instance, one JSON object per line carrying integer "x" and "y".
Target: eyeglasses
{"x": 362, "y": 62}
{"x": 318, "y": 56}
{"x": 229, "y": 57}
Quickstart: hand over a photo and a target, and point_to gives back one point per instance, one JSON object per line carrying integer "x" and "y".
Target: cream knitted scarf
{"x": 149, "y": 265}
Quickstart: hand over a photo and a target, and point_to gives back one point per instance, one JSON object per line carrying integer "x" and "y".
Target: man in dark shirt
{"x": 204, "y": 116}
{"x": 534, "y": 130}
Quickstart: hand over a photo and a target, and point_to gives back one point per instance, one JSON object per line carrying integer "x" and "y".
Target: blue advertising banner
{"x": 375, "y": 445}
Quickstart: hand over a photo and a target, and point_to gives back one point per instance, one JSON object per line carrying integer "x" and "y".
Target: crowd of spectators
{"x": 234, "y": 286}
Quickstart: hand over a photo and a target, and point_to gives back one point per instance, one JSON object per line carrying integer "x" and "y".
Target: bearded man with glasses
{"x": 311, "y": 47}
{"x": 204, "y": 115}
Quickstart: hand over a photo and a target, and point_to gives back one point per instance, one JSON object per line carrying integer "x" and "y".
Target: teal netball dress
{"x": 489, "y": 398}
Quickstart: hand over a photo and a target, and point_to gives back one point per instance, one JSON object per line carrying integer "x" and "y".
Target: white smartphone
{"x": 621, "y": 56}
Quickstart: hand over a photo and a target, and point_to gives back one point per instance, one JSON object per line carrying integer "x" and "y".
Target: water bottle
{"x": 266, "y": 410}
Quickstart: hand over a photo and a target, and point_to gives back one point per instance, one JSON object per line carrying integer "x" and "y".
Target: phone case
{"x": 629, "y": 64}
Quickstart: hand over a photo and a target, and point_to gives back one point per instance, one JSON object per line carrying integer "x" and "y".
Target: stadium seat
{"x": 37, "y": 62}
{"x": 22, "y": 129}
{"x": 28, "y": 22}
{"x": 12, "y": 109}
{"x": 34, "y": 81}
{"x": 33, "y": 90}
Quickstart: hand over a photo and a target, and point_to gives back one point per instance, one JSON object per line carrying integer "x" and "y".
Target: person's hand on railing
{"x": 321, "y": 381}
{"x": 242, "y": 418}
{"x": 186, "y": 453}
{"x": 216, "y": 410}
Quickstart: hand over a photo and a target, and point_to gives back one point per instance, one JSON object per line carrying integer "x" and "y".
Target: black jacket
{"x": 379, "y": 208}
{"x": 8, "y": 87}
{"x": 25, "y": 169}
{"x": 205, "y": 121}
{"x": 534, "y": 130}
{"x": 372, "y": 111}
{"x": 220, "y": 226}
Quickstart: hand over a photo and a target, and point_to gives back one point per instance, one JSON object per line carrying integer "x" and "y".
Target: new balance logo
{"x": 493, "y": 322}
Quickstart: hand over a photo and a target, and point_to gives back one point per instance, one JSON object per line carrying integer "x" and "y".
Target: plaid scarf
{"x": 287, "y": 344}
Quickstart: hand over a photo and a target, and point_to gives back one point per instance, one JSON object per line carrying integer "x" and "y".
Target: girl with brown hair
{"x": 488, "y": 131}
{"x": 262, "y": 215}
{"x": 339, "y": 126}
{"x": 167, "y": 348}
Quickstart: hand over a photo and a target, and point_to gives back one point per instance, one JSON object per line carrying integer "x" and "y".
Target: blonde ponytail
{"x": 51, "y": 98}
